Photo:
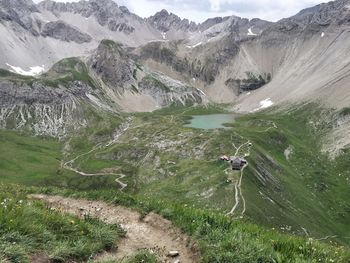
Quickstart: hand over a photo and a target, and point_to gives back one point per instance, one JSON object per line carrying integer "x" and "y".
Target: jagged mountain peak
{"x": 317, "y": 18}
{"x": 89, "y": 6}
{"x": 165, "y": 21}
{"x": 18, "y": 6}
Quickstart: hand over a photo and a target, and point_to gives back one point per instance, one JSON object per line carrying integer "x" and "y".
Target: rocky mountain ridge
{"x": 80, "y": 26}
{"x": 69, "y": 95}
{"x": 251, "y": 63}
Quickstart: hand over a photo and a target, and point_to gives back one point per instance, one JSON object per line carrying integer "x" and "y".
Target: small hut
{"x": 238, "y": 163}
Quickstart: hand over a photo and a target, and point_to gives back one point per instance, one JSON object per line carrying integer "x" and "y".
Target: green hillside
{"x": 289, "y": 185}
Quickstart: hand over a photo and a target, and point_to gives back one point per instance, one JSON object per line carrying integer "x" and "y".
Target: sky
{"x": 200, "y": 10}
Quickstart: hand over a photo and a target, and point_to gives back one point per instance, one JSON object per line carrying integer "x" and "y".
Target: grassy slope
{"x": 29, "y": 229}
{"x": 307, "y": 194}
{"x": 221, "y": 239}
{"x": 316, "y": 188}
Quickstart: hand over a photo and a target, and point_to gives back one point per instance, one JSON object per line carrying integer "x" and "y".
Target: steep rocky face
{"x": 130, "y": 81}
{"x": 216, "y": 55}
{"x": 55, "y": 103}
{"x": 106, "y": 12}
{"x": 121, "y": 27}
{"x": 204, "y": 65}
{"x": 41, "y": 109}
{"x": 61, "y": 100}
{"x": 165, "y": 21}
{"x": 112, "y": 64}
{"x": 295, "y": 59}
{"x": 19, "y": 14}
{"x": 166, "y": 91}
{"x": 62, "y": 31}
{"x": 317, "y": 18}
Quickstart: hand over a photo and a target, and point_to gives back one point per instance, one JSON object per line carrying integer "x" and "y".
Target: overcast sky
{"x": 199, "y": 10}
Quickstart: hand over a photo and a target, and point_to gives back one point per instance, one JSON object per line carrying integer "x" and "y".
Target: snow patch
{"x": 322, "y": 34}
{"x": 196, "y": 45}
{"x": 33, "y": 71}
{"x": 158, "y": 40}
{"x": 264, "y": 104}
{"x": 163, "y": 35}
{"x": 250, "y": 32}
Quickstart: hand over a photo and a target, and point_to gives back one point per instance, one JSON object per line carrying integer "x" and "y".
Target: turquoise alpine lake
{"x": 209, "y": 122}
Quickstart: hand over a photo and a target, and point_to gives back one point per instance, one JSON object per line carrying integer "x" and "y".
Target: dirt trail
{"x": 119, "y": 132}
{"x": 153, "y": 233}
{"x": 238, "y": 185}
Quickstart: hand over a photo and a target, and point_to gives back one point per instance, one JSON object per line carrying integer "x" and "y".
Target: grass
{"x": 33, "y": 160}
{"x": 30, "y": 229}
{"x": 66, "y": 71}
{"x": 345, "y": 112}
{"x": 63, "y": 73}
{"x": 174, "y": 171}
{"x": 187, "y": 170}
{"x": 220, "y": 238}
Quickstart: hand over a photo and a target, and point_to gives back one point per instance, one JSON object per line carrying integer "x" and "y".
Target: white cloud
{"x": 200, "y": 10}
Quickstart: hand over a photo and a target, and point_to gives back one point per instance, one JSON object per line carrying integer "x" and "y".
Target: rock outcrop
{"x": 41, "y": 109}
{"x": 111, "y": 63}
{"x": 62, "y": 31}
{"x": 106, "y": 12}
{"x": 165, "y": 21}
{"x": 19, "y": 14}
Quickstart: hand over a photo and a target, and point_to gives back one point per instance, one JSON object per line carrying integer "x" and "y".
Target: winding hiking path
{"x": 153, "y": 233}
{"x": 119, "y": 132}
{"x": 238, "y": 184}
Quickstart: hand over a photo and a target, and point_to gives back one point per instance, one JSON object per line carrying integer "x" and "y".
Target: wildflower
{"x": 20, "y": 201}
{"x": 72, "y": 222}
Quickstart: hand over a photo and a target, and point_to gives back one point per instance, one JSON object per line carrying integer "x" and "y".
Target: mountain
{"x": 165, "y": 21}
{"x": 57, "y": 102}
{"x": 95, "y": 98}
{"x": 230, "y": 59}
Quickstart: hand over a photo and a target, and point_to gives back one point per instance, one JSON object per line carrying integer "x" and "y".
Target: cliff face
{"x": 297, "y": 59}
{"x": 40, "y": 109}
{"x": 61, "y": 100}
{"x": 230, "y": 59}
